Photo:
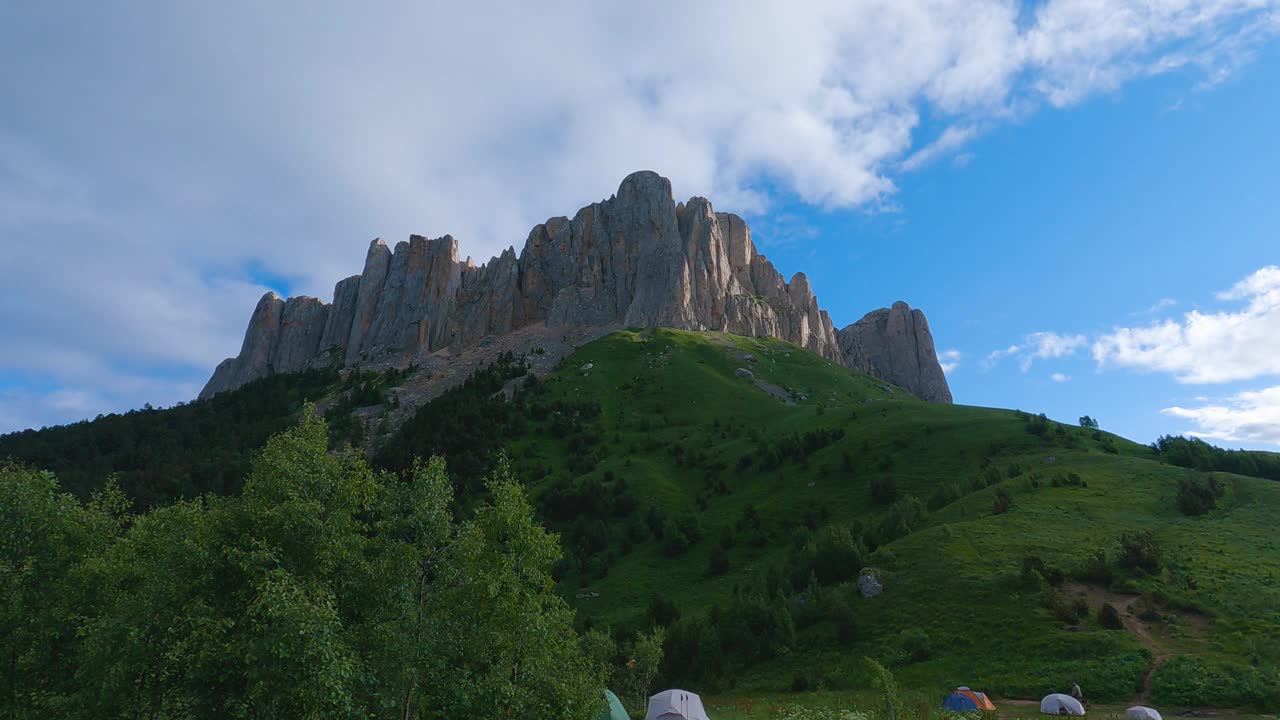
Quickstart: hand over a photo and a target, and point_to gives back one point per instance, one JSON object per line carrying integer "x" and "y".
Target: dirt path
{"x": 1124, "y": 605}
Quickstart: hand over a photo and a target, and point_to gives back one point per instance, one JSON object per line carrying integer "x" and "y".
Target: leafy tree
{"x": 644, "y": 657}
{"x": 1088, "y": 422}
{"x": 325, "y": 590}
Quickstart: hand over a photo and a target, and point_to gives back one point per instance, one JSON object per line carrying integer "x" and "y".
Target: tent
{"x": 1141, "y": 712}
{"x": 612, "y": 709}
{"x": 1059, "y": 704}
{"x": 966, "y": 700}
{"x": 675, "y": 705}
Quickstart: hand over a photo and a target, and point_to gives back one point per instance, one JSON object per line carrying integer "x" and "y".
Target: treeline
{"x": 1199, "y": 455}
{"x": 466, "y": 424}
{"x": 159, "y": 455}
{"x": 325, "y": 589}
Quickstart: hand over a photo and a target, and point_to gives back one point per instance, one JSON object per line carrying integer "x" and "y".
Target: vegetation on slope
{"x": 689, "y": 497}
{"x": 324, "y": 590}
{"x": 159, "y": 455}
{"x": 731, "y": 492}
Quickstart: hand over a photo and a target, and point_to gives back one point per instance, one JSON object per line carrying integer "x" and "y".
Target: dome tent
{"x": 1141, "y": 712}
{"x": 612, "y": 709}
{"x": 966, "y": 700}
{"x": 1059, "y": 704}
{"x": 675, "y": 705}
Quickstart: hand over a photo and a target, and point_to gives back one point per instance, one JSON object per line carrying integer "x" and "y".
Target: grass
{"x": 667, "y": 395}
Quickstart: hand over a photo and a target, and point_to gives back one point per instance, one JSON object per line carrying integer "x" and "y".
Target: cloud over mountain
{"x": 238, "y": 145}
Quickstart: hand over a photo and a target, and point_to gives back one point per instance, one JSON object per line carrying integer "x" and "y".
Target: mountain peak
{"x": 637, "y": 259}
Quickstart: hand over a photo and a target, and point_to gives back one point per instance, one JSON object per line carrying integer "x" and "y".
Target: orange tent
{"x": 966, "y": 700}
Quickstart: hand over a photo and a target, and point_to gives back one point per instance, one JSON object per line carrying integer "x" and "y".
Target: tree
{"x": 1088, "y": 422}
{"x": 644, "y": 656}
{"x": 325, "y": 590}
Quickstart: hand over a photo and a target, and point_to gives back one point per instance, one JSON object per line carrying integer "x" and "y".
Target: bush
{"x": 1109, "y": 617}
{"x": 883, "y": 490}
{"x": 915, "y": 645}
{"x": 1003, "y": 502}
{"x": 1194, "y": 682}
{"x": 1139, "y": 551}
{"x": 1198, "y": 495}
{"x": 719, "y": 562}
{"x": 662, "y": 611}
{"x": 1060, "y": 605}
{"x": 1096, "y": 570}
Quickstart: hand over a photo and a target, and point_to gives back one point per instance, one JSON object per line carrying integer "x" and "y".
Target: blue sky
{"x": 1081, "y": 196}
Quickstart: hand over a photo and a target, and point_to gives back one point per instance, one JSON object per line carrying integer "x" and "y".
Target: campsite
{"x": 962, "y": 702}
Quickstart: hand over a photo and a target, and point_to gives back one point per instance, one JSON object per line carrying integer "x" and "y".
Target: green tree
{"x": 644, "y": 657}
{"x": 1088, "y": 422}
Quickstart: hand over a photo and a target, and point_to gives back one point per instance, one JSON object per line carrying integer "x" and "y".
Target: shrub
{"x": 943, "y": 495}
{"x": 1139, "y": 551}
{"x": 1096, "y": 570}
{"x": 883, "y": 490}
{"x": 1003, "y": 502}
{"x": 1198, "y": 495}
{"x": 719, "y": 562}
{"x": 1109, "y": 617}
{"x": 662, "y": 611}
{"x": 915, "y": 644}
{"x": 1060, "y": 605}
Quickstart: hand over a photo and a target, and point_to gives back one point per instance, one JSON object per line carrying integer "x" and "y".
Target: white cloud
{"x": 1059, "y": 377}
{"x": 1038, "y": 346}
{"x": 951, "y": 139}
{"x": 949, "y": 360}
{"x": 1158, "y": 306}
{"x": 1247, "y": 417}
{"x": 150, "y": 158}
{"x": 1211, "y": 347}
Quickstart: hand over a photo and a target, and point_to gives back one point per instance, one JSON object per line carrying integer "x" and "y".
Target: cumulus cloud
{"x": 1207, "y": 347}
{"x": 949, "y": 360}
{"x": 1038, "y": 346}
{"x": 1248, "y": 417}
{"x": 1059, "y": 377}
{"x": 160, "y": 168}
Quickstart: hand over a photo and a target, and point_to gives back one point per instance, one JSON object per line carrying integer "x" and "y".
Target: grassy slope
{"x": 958, "y": 577}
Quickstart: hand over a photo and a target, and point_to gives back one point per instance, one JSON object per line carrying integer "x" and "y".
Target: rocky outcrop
{"x": 636, "y": 259}
{"x": 895, "y": 344}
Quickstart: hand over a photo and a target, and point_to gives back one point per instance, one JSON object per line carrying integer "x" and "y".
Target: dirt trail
{"x": 1124, "y": 605}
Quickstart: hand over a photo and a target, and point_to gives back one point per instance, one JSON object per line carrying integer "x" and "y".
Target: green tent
{"x": 612, "y": 709}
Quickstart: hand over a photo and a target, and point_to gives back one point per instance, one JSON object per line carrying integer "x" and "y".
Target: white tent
{"x": 1141, "y": 712}
{"x": 1059, "y": 704}
{"x": 675, "y": 705}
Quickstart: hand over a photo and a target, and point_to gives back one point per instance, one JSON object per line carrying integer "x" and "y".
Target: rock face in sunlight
{"x": 636, "y": 259}
{"x": 895, "y": 344}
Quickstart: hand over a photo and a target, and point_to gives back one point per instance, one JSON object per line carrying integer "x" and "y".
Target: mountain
{"x": 638, "y": 259}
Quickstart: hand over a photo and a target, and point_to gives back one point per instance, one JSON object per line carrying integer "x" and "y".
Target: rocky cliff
{"x": 895, "y": 344}
{"x": 636, "y": 259}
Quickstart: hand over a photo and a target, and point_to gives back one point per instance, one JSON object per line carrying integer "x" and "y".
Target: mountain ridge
{"x": 637, "y": 259}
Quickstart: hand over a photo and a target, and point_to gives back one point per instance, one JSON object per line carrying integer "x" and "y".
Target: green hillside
{"x": 671, "y": 477}
{"x": 733, "y": 491}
